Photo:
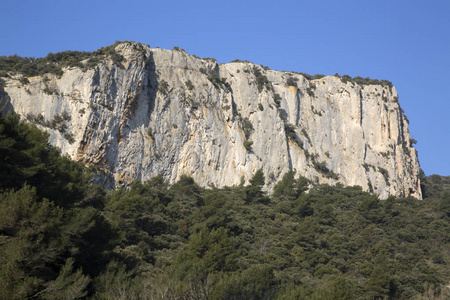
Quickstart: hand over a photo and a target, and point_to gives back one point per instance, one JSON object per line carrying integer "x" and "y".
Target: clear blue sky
{"x": 404, "y": 41}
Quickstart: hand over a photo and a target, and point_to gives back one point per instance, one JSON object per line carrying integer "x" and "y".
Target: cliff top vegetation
{"x": 55, "y": 62}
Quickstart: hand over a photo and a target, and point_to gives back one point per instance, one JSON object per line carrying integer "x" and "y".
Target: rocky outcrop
{"x": 167, "y": 112}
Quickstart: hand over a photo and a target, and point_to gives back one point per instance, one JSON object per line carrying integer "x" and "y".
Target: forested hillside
{"x": 63, "y": 238}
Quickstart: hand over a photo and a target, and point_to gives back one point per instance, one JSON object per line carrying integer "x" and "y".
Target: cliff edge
{"x": 166, "y": 112}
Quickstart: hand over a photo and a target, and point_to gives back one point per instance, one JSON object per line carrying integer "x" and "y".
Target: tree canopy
{"x": 63, "y": 238}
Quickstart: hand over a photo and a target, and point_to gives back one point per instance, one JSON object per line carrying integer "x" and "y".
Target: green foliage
{"x": 292, "y": 81}
{"x": 215, "y": 79}
{"x": 444, "y": 204}
{"x": 240, "y": 61}
{"x": 364, "y": 81}
{"x": 24, "y": 80}
{"x": 289, "y": 188}
{"x": 26, "y": 157}
{"x": 248, "y": 145}
{"x": 305, "y": 134}
{"x": 50, "y": 91}
{"x": 310, "y": 90}
{"x": 163, "y": 87}
{"x": 258, "y": 178}
{"x": 37, "y": 237}
{"x": 115, "y": 280}
{"x": 261, "y": 80}
{"x": 55, "y": 62}
{"x": 68, "y": 285}
{"x": 69, "y": 137}
{"x": 156, "y": 241}
{"x": 310, "y": 77}
{"x": 277, "y": 100}
{"x": 322, "y": 167}
{"x": 378, "y": 283}
{"x": 292, "y": 135}
{"x": 248, "y": 129}
{"x": 189, "y": 85}
{"x": 385, "y": 174}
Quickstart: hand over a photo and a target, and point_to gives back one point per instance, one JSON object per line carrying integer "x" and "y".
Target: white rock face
{"x": 159, "y": 113}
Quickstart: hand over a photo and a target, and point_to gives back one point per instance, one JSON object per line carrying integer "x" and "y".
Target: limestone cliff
{"x": 167, "y": 112}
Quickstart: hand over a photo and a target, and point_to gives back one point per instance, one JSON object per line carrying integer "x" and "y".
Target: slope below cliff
{"x": 166, "y": 112}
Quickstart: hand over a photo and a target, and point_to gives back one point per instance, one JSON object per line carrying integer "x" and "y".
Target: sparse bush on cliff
{"x": 189, "y": 85}
{"x": 215, "y": 79}
{"x": 277, "y": 100}
{"x": 364, "y": 81}
{"x": 248, "y": 145}
{"x": 292, "y": 81}
{"x": 385, "y": 174}
{"x": 163, "y": 87}
{"x": 261, "y": 80}
{"x": 292, "y": 135}
{"x": 260, "y": 106}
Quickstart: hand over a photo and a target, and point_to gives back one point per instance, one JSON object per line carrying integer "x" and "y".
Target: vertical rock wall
{"x": 167, "y": 112}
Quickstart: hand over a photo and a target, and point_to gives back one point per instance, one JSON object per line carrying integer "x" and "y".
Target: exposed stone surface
{"x": 167, "y": 112}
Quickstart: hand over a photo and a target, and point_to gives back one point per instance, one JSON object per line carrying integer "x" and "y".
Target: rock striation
{"x": 167, "y": 112}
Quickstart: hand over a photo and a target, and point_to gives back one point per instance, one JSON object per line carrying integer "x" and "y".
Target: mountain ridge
{"x": 136, "y": 112}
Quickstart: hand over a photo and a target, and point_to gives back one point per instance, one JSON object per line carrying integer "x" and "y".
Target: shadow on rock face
{"x": 5, "y": 103}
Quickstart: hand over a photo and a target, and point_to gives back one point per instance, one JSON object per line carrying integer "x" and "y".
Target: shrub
{"x": 292, "y": 81}
{"x": 69, "y": 137}
{"x": 321, "y": 167}
{"x": 318, "y": 76}
{"x": 292, "y": 135}
{"x": 24, "y": 80}
{"x": 305, "y": 134}
{"x": 260, "y": 106}
{"x": 239, "y": 61}
{"x": 218, "y": 82}
{"x": 310, "y": 90}
{"x": 248, "y": 127}
{"x": 277, "y": 100}
{"x": 163, "y": 87}
{"x": 364, "y": 81}
{"x": 189, "y": 85}
{"x": 248, "y": 145}
{"x": 309, "y": 77}
{"x": 385, "y": 174}
{"x": 54, "y": 62}
{"x": 49, "y": 91}
{"x": 261, "y": 80}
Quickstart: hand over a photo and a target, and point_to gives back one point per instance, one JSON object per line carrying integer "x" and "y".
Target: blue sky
{"x": 404, "y": 41}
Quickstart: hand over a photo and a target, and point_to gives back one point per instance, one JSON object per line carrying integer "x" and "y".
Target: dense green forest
{"x": 63, "y": 238}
